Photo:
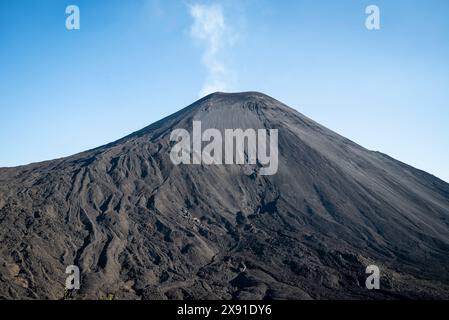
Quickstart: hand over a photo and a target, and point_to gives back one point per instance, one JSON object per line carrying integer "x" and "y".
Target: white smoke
{"x": 210, "y": 28}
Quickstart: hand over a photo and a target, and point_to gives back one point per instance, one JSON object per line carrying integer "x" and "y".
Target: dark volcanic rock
{"x": 140, "y": 227}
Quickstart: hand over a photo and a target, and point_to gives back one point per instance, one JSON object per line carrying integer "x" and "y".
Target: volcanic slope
{"x": 140, "y": 227}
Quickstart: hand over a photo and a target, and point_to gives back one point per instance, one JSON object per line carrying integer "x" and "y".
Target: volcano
{"x": 140, "y": 227}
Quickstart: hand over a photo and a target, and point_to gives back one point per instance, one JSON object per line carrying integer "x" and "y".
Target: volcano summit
{"x": 139, "y": 226}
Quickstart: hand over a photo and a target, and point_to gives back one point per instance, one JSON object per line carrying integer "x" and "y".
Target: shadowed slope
{"x": 140, "y": 227}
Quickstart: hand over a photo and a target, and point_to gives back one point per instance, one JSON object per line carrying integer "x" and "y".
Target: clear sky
{"x": 134, "y": 62}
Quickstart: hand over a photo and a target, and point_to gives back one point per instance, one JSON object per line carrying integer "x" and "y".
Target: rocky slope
{"x": 140, "y": 227}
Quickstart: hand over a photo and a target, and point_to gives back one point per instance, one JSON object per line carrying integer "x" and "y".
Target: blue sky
{"x": 134, "y": 62}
